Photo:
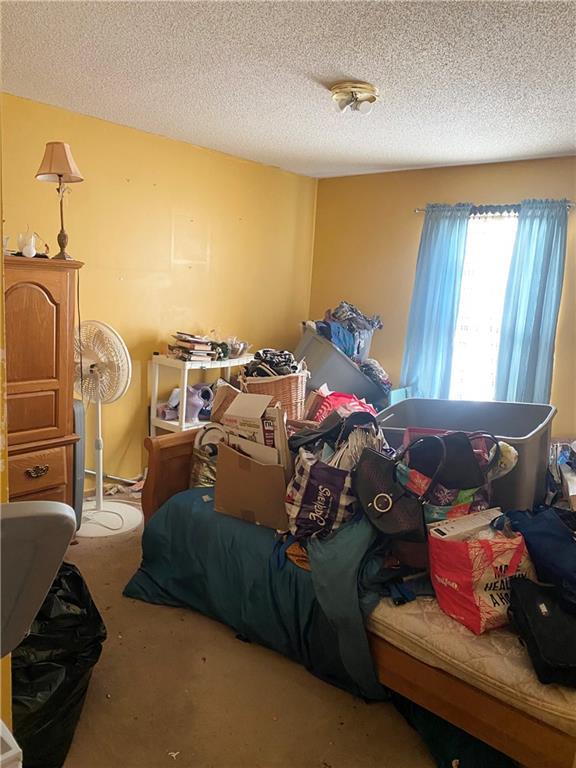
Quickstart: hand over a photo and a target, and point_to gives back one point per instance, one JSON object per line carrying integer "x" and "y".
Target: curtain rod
{"x": 571, "y": 204}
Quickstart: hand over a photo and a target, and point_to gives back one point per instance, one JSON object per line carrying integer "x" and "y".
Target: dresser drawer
{"x": 36, "y": 470}
{"x": 60, "y": 493}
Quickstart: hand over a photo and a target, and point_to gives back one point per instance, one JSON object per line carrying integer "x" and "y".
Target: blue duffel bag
{"x": 552, "y": 547}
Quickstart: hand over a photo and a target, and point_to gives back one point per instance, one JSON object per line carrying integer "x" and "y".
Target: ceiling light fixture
{"x": 354, "y": 96}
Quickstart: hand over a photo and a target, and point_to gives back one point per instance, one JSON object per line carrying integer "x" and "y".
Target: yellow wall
{"x": 176, "y": 237}
{"x": 173, "y": 237}
{"x": 367, "y": 240}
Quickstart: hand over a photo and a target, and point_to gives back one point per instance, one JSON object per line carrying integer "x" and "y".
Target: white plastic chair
{"x": 34, "y": 536}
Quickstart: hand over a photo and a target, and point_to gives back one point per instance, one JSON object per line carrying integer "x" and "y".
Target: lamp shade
{"x": 58, "y": 164}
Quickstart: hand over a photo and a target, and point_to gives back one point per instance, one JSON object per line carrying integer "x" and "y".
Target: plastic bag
{"x": 336, "y": 400}
{"x": 203, "y": 473}
{"x": 319, "y": 498}
{"x": 204, "y": 454}
{"x": 51, "y": 670}
{"x": 472, "y": 578}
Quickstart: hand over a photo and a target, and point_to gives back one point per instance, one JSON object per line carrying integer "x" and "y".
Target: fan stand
{"x": 113, "y": 517}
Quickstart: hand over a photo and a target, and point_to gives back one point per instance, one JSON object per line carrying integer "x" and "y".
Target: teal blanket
{"x": 230, "y": 570}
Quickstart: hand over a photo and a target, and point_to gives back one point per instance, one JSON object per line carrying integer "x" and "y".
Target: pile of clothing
{"x": 321, "y": 402}
{"x": 272, "y": 362}
{"x": 562, "y": 473}
{"x": 352, "y": 318}
{"x": 563, "y": 454}
{"x": 377, "y": 374}
{"x": 349, "y": 329}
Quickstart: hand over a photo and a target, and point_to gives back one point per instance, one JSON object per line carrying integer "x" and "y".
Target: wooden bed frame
{"x": 532, "y": 743}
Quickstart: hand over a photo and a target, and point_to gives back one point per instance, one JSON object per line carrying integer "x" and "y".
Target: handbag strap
{"x": 515, "y": 560}
{"x": 403, "y": 451}
{"x": 328, "y": 429}
{"x": 353, "y": 420}
{"x": 494, "y": 460}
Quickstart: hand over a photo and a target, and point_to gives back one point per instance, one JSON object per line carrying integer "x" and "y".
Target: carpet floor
{"x": 174, "y": 688}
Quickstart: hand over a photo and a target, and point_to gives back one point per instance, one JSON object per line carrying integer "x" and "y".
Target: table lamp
{"x": 58, "y": 166}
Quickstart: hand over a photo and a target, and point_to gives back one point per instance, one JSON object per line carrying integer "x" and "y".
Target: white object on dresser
{"x": 184, "y": 366}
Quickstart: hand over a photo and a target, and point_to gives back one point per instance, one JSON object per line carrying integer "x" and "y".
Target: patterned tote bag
{"x": 319, "y": 498}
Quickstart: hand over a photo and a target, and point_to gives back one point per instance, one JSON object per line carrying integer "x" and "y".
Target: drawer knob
{"x": 37, "y": 471}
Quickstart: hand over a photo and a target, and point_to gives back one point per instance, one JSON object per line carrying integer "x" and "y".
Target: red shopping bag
{"x": 472, "y": 578}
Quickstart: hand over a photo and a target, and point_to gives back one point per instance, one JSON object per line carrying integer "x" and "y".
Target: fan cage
{"x": 102, "y": 362}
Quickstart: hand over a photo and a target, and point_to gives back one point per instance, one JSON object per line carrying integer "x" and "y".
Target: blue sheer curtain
{"x": 427, "y": 362}
{"x": 526, "y": 353}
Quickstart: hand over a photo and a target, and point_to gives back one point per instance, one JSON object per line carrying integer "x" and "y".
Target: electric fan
{"x": 102, "y": 375}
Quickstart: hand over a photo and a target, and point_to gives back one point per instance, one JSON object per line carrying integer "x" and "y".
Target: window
{"x": 488, "y": 253}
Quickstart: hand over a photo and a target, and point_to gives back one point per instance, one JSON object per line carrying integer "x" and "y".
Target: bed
{"x": 483, "y": 685}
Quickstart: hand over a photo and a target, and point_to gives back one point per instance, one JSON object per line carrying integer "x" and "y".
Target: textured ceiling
{"x": 461, "y": 82}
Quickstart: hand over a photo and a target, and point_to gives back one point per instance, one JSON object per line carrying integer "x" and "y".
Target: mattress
{"x": 494, "y": 662}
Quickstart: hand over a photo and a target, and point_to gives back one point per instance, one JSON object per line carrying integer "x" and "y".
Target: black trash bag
{"x": 51, "y": 670}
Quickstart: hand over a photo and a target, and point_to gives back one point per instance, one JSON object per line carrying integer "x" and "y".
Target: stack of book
{"x": 189, "y": 347}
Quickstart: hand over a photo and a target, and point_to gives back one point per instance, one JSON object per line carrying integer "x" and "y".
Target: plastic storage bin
{"x": 526, "y": 426}
{"x": 328, "y": 365}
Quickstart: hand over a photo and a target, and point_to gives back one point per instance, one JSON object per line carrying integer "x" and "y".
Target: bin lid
{"x": 34, "y": 536}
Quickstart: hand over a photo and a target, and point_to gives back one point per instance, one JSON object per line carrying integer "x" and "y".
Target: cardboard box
{"x": 252, "y": 418}
{"x": 245, "y": 416}
{"x": 225, "y": 395}
{"x": 256, "y": 451}
{"x": 249, "y": 490}
{"x": 276, "y": 435}
{"x": 314, "y": 400}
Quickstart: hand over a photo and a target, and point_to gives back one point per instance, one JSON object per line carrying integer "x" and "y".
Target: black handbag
{"x": 391, "y": 507}
{"x": 461, "y": 468}
{"x": 546, "y": 630}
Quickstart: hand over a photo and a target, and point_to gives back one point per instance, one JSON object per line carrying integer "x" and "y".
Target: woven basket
{"x": 289, "y": 391}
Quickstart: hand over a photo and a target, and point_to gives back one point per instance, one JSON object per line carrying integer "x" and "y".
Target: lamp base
{"x": 63, "y": 242}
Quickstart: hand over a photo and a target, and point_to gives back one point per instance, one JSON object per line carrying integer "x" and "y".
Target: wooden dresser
{"x": 39, "y": 306}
